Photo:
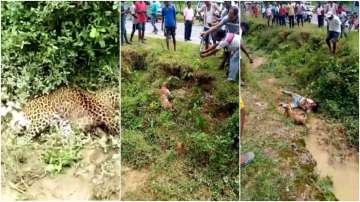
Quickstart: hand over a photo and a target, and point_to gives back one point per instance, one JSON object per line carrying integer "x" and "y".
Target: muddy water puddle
{"x": 344, "y": 175}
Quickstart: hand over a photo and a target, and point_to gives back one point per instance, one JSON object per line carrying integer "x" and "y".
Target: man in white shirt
{"x": 334, "y": 25}
{"x": 210, "y": 10}
{"x": 263, "y": 11}
{"x": 268, "y": 14}
{"x": 188, "y": 19}
{"x": 134, "y": 20}
{"x": 333, "y": 7}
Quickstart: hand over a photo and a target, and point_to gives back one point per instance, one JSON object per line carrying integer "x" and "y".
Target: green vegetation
{"x": 48, "y": 44}
{"x": 58, "y": 158}
{"x": 187, "y": 154}
{"x": 282, "y": 168}
{"x": 325, "y": 185}
{"x": 302, "y": 54}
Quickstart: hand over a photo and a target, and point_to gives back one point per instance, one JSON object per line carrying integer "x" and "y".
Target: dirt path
{"x": 132, "y": 181}
{"x": 94, "y": 177}
{"x": 324, "y": 142}
{"x": 258, "y": 62}
{"x": 61, "y": 187}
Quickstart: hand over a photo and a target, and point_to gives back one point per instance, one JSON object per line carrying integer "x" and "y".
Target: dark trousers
{"x": 188, "y": 28}
{"x": 300, "y": 18}
{"x": 282, "y": 21}
{"x": 320, "y": 20}
{"x": 343, "y": 33}
{"x": 275, "y": 19}
{"x": 134, "y": 27}
{"x": 291, "y": 21}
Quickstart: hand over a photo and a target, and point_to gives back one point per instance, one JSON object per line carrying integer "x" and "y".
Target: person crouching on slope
{"x": 232, "y": 42}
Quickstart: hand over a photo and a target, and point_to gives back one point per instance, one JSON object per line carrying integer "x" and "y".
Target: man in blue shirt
{"x": 169, "y": 19}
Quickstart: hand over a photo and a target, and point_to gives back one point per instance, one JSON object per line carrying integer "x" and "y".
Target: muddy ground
{"x": 94, "y": 173}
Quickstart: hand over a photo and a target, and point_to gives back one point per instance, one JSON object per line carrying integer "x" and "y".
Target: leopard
{"x": 72, "y": 104}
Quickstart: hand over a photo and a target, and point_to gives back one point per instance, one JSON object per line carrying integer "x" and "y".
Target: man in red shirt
{"x": 340, "y": 9}
{"x": 282, "y": 15}
{"x": 140, "y": 10}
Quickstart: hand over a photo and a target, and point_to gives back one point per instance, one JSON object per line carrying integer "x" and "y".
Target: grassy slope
{"x": 302, "y": 54}
{"x": 207, "y": 167}
{"x": 283, "y": 168}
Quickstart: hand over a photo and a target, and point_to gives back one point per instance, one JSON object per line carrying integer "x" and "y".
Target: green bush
{"x": 326, "y": 187}
{"x": 226, "y": 144}
{"x": 136, "y": 150}
{"x": 59, "y": 158}
{"x": 201, "y": 146}
{"x": 48, "y": 44}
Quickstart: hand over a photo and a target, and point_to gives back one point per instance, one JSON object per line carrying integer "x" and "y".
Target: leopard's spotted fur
{"x": 81, "y": 108}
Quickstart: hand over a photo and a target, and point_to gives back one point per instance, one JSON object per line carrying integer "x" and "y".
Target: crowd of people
{"x": 289, "y": 13}
{"x": 336, "y": 17}
{"x": 224, "y": 31}
{"x": 220, "y": 27}
{"x": 279, "y": 13}
{"x": 140, "y": 14}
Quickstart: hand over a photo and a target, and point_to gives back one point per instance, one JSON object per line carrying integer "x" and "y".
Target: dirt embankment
{"x": 132, "y": 180}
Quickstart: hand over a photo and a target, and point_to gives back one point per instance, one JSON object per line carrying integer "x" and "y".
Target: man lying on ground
{"x": 299, "y": 101}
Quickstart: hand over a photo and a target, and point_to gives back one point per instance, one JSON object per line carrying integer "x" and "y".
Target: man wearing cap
{"x": 334, "y": 30}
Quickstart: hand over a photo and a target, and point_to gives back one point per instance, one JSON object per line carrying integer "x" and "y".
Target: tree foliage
{"x": 48, "y": 44}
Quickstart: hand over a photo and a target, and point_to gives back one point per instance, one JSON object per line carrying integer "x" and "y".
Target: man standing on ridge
{"x": 169, "y": 20}
{"x": 188, "y": 20}
{"x": 140, "y": 10}
{"x": 334, "y": 25}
